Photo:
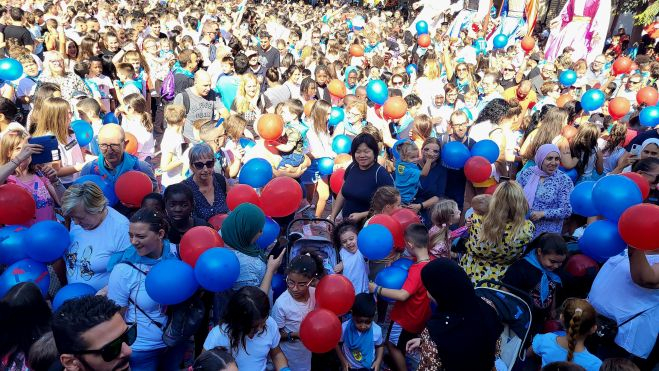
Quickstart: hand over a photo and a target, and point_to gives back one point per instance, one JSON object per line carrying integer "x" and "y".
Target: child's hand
{"x": 338, "y": 268}
{"x": 371, "y": 287}
{"x": 412, "y": 345}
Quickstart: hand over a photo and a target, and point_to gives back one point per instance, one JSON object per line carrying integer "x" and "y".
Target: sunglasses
{"x": 200, "y": 165}
{"x": 112, "y": 349}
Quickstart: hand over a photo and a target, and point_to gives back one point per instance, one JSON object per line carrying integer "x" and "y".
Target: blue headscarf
{"x": 547, "y": 275}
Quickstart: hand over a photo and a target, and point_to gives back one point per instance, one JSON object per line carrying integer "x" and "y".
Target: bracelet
{"x": 380, "y": 290}
{"x": 422, "y": 207}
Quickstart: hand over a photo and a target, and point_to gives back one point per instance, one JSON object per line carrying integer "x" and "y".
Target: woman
{"x": 461, "y": 77}
{"x": 547, "y": 190}
{"x": 548, "y": 131}
{"x": 355, "y": 120}
{"x": 179, "y": 205}
{"x": 308, "y": 89}
{"x": 320, "y": 145}
{"x": 430, "y": 84}
{"x": 463, "y": 331}
{"x": 54, "y": 72}
{"x": 24, "y": 318}
{"x": 433, "y": 185}
{"x": 209, "y": 188}
{"x": 97, "y": 231}
{"x": 362, "y": 178}
{"x": 293, "y": 78}
{"x": 126, "y": 287}
{"x": 249, "y": 102}
{"x": 649, "y": 169}
{"x": 497, "y": 239}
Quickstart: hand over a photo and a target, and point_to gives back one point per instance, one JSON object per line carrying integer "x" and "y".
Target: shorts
{"x": 399, "y": 336}
{"x": 311, "y": 175}
{"x": 292, "y": 159}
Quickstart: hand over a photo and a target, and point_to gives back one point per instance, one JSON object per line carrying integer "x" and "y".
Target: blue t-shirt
{"x": 407, "y": 180}
{"x": 547, "y": 347}
{"x": 227, "y": 87}
{"x": 360, "y": 185}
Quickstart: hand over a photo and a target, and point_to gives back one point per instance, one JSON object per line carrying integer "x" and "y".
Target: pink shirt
{"x": 37, "y": 187}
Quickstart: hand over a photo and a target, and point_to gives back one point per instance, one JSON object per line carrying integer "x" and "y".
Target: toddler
{"x": 292, "y": 151}
{"x": 443, "y": 214}
{"x": 408, "y": 173}
{"x": 353, "y": 265}
{"x": 361, "y": 346}
{"x": 172, "y": 159}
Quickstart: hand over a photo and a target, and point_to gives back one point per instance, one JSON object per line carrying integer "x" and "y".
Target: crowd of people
{"x": 471, "y": 129}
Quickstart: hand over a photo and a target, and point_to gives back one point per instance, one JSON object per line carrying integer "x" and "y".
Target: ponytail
{"x": 572, "y": 332}
{"x": 146, "y": 121}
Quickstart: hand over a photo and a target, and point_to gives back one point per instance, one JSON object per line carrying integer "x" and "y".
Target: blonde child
{"x": 90, "y": 110}
{"x": 353, "y": 265}
{"x": 234, "y": 127}
{"x": 407, "y": 171}
{"x": 443, "y": 214}
{"x": 171, "y": 160}
{"x": 137, "y": 121}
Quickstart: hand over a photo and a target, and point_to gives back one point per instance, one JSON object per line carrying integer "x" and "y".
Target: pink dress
{"x": 38, "y": 189}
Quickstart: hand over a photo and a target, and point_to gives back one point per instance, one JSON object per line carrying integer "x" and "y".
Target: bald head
{"x": 111, "y": 131}
{"x": 112, "y": 143}
{"x": 525, "y": 87}
{"x": 202, "y": 83}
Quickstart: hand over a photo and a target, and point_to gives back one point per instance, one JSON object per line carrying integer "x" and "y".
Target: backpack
{"x": 168, "y": 88}
{"x": 183, "y": 319}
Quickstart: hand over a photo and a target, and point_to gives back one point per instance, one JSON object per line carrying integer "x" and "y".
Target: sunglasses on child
{"x": 200, "y": 165}
{"x": 112, "y": 349}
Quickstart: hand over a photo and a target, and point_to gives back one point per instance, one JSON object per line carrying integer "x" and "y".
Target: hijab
{"x": 531, "y": 186}
{"x": 463, "y": 324}
{"x": 647, "y": 142}
{"x": 240, "y": 227}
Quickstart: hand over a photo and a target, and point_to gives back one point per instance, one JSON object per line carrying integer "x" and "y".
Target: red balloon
{"x": 622, "y": 65}
{"x": 270, "y": 126}
{"x": 336, "y": 180}
{"x": 648, "y": 96}
{"x": 335, "y": 292}
{"x": 424, "y": 41}
{"x": 490, "y": 190}
{"x": 17, "y": 205}
{"x": 281, "y": 197}
{"x": 131, "y": 187}
{"x": 478, "y": 169}
{"x": 337, "y": 88}
{"x": 356, "y": 50}
{"x": 217, "y": 220}
{"x": 241, "y": 193}
{"x": 578, "y": 265}
{"x": 528, "y": 43}
{"x": 405, "y": 217}
{"x": 629, "y": 136}
{"x": 131, "y": 143}
{"x": 393, "y": 226}
{"x": 196, "y": 241}
{"x": 619, "y": 107}
{"x": 641, "y": 182}
{"x": 395, "y": 107}
{"x": 320, "y": 331}
{"x": 639, "y": 226}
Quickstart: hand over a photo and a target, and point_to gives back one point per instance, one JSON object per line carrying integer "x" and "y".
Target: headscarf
{"x": 531, "y": 186}
{"x": 240, "y": 227}
{"x": 649, "y": 141}
{"x": 462, "y": 324}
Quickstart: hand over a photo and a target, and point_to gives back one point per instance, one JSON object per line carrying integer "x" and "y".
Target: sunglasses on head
{"x": 200, "y": 165}
{"x": 112, "y": 349}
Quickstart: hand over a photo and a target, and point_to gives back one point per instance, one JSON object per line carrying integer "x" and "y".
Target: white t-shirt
{"x": 289, "y": 313}
{"x": 171, "y": 143}
{"x": 70, "y": 156}
{"x": 377, "y": 341}
{"x": 104, "y": 86}
{"x": 355, "y": 269}
{"x": 87, "y": 257}
{"x": 145, "y": 142}
{"x": 255, "y": 354}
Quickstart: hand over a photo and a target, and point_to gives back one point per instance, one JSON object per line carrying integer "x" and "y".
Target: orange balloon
{"x": 356, "y": 50}
{"x": 648, "y": 96}
{"x": 131, "y": 143}
{"x": 424, "y": 41}
{"x": 563, "y": 99}
{"x": 528, "y": 43}
{"x": 308, "y": 106}
{"x": 395, "y": 107}
{"x": 622, "y": 65}
{"x": 270, "y": 126}
{"x": 619, "y": 107}
{"x": 337, "y": 88}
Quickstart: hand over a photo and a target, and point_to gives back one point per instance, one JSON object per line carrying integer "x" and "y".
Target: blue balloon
{"x": 572, "y": 173}
{"x": 170, "y": 282}
{"x": 649, "y": 116}
{"x": 601, "y": 240}
{"x": 455, "y": 154}
{"x": 110, "y": 118}
{"x": 217, "y": 269}
{"x": 402, "y": 263}
{"x": 421, "y": 27}
{"x": 341, "y": 144}
{"x": 270, "y": 233}
{"x": 592, "y": 100}
{"x": 391, "y": 278}
{"x": 26, "y": 270}
{"x": 377, "y": 91}
{"x": 278, "y": 285}
{"x": 83, "y": 132}
{"x": 246, "y": 143}
{"x": 500, "y": 41}
{"x": 325, "y": 166}
{"x": 581, "y": 199}
{"x": 105, "y": 186}
{"x": 257, "y": 172}
{"x": 375, "y": 242}
{"x": 411, "y": 68}
{"x": 72, "y": 291}
{"x": 336, "y": 116}
{"x": 567, "y": 78}
{"x": 10, "y": 69}
{"x": 614, "y": 194}
{"x": 12, "y": 244}
{"x": 48, "y": 241}
{"x": 486, "y": 148}
{"x": 349, "y": 24}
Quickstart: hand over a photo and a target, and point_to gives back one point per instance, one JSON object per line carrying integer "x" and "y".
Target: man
{"x": 200, "y": 102}
{"x": 596, "y": 74}
{"x": 91, "y": 335}
{"x": 490, "y": 91}
{"x": 184, "y": 76}
{"x": 266, "y": 51}
{"x": 456, "y": 181}
{"x": 16, "y": 30}
{"x": 206, "y": 45}
{"x": 547, "y": 73}
{"x": 523, "y": 93}
{"x": 631, "y": 87}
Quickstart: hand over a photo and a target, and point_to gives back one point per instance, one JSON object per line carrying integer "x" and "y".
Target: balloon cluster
{"x": 279, "y": 197}
{"x": 385, "y": 232}
{"x": 476, "y": 163}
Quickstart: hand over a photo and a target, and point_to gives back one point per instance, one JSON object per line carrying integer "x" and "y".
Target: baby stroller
{"x": 312, "y": 235}
{"x": 515, "y": 314}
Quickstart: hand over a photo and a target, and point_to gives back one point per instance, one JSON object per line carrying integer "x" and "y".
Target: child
{"x": 535, "y": 274}
{"x": 353, "y": 265}
{"x": 294, "y": 304}
{"x": 579, "y": 318}
{"x": 292, "y": 151}
{"x": 412, "y": 307}
{"x": 443, "y": 214}
{"x": 90, "y": 111}
{"x": 137, "y": 121}
{"x": 103, "y": 82}
{"x": 216, "y": 359}
{"x": 171, "y": 160}
{"x": 233, "y": 149}
{"x": 408, "y": 172}
{"x": 154, "y": 201}
{"x": 126, "y": 84}
{"x": 361, "y": 346}
{"x": 82, "y": 70}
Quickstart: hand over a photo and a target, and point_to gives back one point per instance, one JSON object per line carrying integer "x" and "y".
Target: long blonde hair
{"x": 440, "y": 215}
{"x": 54, "y": 119}
{"x": 507, "y": 208}
{"x": 138, "y": 104}
{"x": 9, "y": 142}
{"x": 320, "y": 112}
{"x": 242, "y": 100}
{"x": 432, "y": 69}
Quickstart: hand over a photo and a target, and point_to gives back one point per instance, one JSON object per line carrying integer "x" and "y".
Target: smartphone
{"x": 636, "y": 150}
{"x": 50, "y": 149}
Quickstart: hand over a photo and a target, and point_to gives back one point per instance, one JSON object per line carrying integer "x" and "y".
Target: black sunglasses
{"x": 200, "y": 165}
{"x": 112, "y": 349}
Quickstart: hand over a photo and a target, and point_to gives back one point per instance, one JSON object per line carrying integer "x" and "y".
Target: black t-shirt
{"x": 174, "y": 235}
{"x": 525, "y": 277}
{"x": 19, "y": 33}
{"x": 271, "y": 55}
{"x": 182, "y": 82}
{"x": 507, "y": 83}
{"x": 642, "y": 137}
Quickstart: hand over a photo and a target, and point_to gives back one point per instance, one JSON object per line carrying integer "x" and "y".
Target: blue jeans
{"x": 161, "y": 359}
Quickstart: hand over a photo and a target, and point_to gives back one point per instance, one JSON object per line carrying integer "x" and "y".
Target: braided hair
{"x": 579, "y": 318}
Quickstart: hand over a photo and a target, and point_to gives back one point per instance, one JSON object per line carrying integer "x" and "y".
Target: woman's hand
{"x": 49, "y": 173}
{"x": 27, "y": 152}
{"x": 537, "y": 215}
{"x": 274, "y": 263}
{"x": 412, "y": 344}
